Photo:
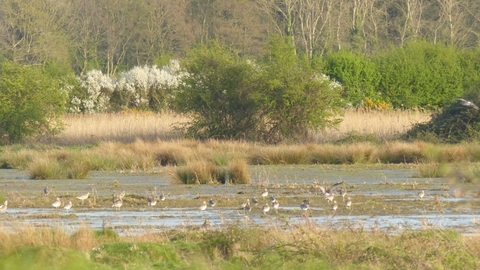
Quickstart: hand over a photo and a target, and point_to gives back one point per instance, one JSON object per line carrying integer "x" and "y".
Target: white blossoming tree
{"x": 139, "y": 88}
{"x": 94, "y": 93}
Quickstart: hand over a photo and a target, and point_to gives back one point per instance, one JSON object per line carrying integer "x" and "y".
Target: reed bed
{"x": 383, "y": 125}
{"x": 126, "y": 127}
{"x": 234, "y": 246}
{"x": 130, "y": 126}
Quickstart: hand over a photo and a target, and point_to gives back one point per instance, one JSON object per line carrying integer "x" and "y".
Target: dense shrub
{"x": 31, "y": 102}
{"x": 357, "y": 74}
{"x": 420, "y": 74}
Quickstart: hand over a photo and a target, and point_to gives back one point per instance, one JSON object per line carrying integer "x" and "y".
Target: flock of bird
{"x": 329, "y": 194}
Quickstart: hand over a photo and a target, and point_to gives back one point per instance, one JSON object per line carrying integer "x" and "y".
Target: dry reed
{"x": 148, "y": 126}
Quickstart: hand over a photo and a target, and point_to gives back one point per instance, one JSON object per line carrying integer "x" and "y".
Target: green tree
{"x": 420, "y": 74}
{"x": 357, "y": 74}
{"x": 278, "y": 98}
{"x": 217, "y": 93}
{"x": 295, "y": 99}
{"x": 31, "y": 102}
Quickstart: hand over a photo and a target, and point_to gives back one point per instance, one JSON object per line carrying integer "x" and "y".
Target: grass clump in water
{"x": 205, "y": 172}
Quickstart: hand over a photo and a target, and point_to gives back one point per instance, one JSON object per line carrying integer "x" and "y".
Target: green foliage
{"x": 31, "y": 102}
{"x": 470, "y": 63}
{"x": 420, "y": 74}
{"x": 218, "y": 94}
{"x": 357, "y": 74}
{"x": 294, "y": 98}
{"x": 229, "y": 97}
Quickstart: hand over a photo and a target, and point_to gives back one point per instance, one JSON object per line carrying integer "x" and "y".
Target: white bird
{"x": 68, "y": 206}
{"x": 348, "y": 202}
{"x": 421, "y": 194}
{"x": 467, "y": 103}
{"x": 275, "y": 204}
{"x": 84, "y": 196}
{"x": 3, "y": 207}
{"x": 117, "y": 204}
{"x": 335, "y": 206}
{"x": 265, "y": 209}
{"x": 203, "y": 206}
{"x": 57, "y": 203}
{"x": 265, "y": 193}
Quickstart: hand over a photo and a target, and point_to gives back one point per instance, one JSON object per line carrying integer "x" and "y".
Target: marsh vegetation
{"x": 382, "y": 174}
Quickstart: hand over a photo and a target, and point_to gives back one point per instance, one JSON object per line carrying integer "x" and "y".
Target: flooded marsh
{"x": 381, "y": 198}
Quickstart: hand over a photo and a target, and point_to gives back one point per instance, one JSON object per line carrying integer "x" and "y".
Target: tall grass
{"x": 128, "y": 127}
{"x": 384, "y": 125}
{"x": 214, "y": 161}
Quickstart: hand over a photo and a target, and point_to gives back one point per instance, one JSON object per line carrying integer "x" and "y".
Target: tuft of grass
{"x": 433, "y": 170}
{"x": 197, "y": 172}
{"x": 402, "y": 152}
{"x": 282, "y": 155}
{"x": 239, "y": 173}
{"x": 45, "y": 168}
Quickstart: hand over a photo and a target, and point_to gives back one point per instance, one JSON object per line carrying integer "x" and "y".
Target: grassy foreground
{"x": 237, "y": 247}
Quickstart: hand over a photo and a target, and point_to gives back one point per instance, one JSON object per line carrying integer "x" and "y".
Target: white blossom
{"x": 134, "y": 86}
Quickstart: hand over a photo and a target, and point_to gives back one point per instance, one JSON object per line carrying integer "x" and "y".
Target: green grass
{"x": 236, "y": 247}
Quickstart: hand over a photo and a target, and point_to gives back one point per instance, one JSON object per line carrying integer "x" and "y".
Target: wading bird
{"x": 265, "y": 209}
{"x": 334, "y": 207}
{"x": 117, "y": 204}
{"x": 84, "y": 197}
{"x": 304, "y": 206}
{"x": 265, "y": 193}
{"x": 151, "y": 201}
{"x": 348, "y": 202}
{"x": 203, "y": 206}
{"x": 57, "y": 203}
{"x": 421, "y": 194}
{"x": 68, "y": 206}
{"x": 211, "y": 202}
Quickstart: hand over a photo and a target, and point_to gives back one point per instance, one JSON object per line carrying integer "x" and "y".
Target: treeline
{"x": 114, "y": 36}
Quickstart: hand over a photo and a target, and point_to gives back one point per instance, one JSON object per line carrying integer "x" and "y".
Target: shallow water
{"x": 383, "y": 199}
